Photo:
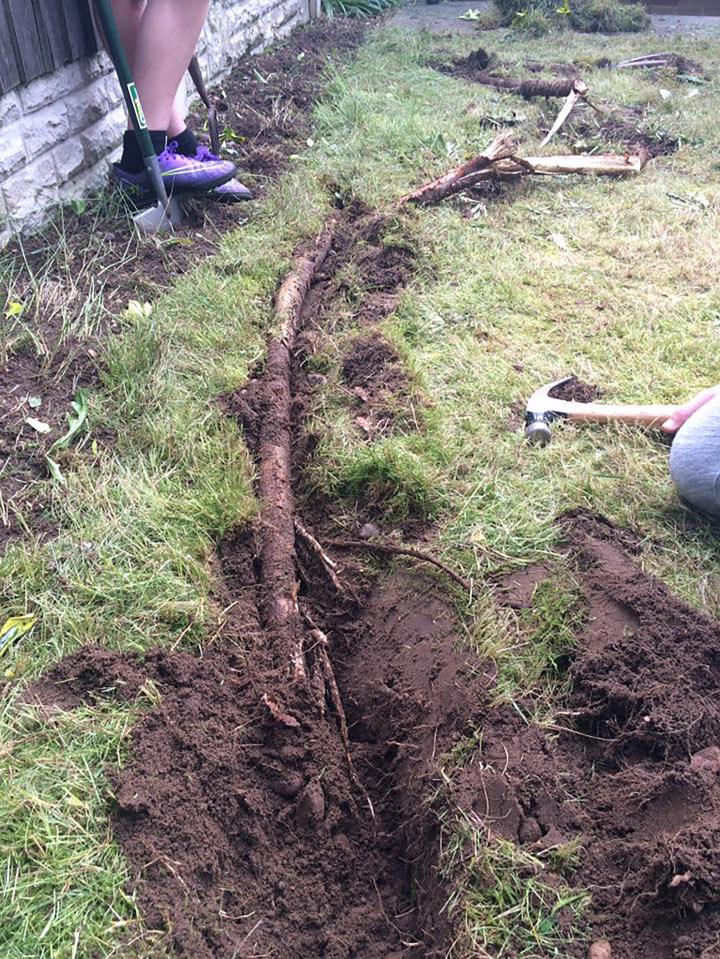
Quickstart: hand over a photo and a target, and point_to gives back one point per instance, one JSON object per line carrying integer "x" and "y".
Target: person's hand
{"x": 683, "y": 413}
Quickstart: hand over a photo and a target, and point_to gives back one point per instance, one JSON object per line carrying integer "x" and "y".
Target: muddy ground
{"x": 268, "y": 102}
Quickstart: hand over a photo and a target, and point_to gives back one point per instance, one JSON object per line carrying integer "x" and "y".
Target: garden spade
{"x": 167, "y": 212}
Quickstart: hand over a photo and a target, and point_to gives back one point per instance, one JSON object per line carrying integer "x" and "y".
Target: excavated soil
{"x": 359, "y": 285}
{"x": 576, "y": 391}
{"x": 245, "y": 834}
{"x": 94, "y": 251}
{"x": 636, "y": 774}
{"x": 374, "y": 373}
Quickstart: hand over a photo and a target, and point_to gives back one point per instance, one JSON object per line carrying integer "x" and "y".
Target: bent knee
{"x": 695, "y": 470}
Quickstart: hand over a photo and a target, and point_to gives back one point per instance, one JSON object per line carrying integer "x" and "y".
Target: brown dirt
{"x": 622, "y": 128}
{"x": 359, "y": 284}
{"x": 83, "y": 254}
{"x": 252, "y": 822}
{"x": 576, "y": 391}
{"x": 643, "y": 702}
{"x": 268, "y": 98}
{"x": 246, "y": 836}
{"x": 376, "y": 377}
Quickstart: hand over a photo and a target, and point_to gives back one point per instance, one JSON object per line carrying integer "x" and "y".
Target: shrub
{"x": 607, "y": 16}
{"x": 357, "y": 8}
{"x": 533, "y": 23}
{"x": 511, "y": 8}
{"x": 587, "y": 16}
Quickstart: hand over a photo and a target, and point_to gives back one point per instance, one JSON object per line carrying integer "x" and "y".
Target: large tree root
{"x": 528, "y": 87}
{"x": 277, "y": 556}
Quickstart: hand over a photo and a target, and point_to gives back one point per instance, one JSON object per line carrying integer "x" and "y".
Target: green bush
{"x": 511, "y": 8}
{"x": 533, "y": 23}
{"x": 536, "y": 17}
{"x": 357, "y": 8}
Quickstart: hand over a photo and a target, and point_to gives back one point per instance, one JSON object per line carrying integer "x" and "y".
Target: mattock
{"x": 542, "y": 409}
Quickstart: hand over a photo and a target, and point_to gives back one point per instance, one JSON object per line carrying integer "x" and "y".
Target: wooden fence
{"x": 39, "y": 36}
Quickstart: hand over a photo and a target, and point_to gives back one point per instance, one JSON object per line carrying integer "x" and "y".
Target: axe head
{"x": 539, "y": 413}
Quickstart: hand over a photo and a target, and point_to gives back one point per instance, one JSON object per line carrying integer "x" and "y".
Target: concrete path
{"x": 443, "y": 17}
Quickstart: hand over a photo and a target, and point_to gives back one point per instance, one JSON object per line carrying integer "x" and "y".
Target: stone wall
{"x": 59, "y": 133}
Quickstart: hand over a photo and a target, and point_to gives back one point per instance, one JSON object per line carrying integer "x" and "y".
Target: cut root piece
{"x": 500, "y": 161}
{"x": 503, "y": 147}
{"x": 578, "y": 92}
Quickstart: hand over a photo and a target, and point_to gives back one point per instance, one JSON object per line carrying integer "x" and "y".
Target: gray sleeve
{"x": 695, "y": 459}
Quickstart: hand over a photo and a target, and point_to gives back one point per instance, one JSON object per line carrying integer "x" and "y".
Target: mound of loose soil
{"x": 576, "y": 391}
{"x": 636, "y": 775}
{"x": 266, "y": 122}
{"x": 374, "y": 372}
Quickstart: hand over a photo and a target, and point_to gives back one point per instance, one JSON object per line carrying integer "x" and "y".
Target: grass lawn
{"x": 616, "y": 281}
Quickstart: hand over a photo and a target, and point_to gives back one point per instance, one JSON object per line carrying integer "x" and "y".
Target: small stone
{"x": 600, "y": 950}
{"x": 310, "y": 810}
{"x": 369, "y": 530}
{"x": 708, "y": 758}
{"x": 288, "y": 786}
{"x": 529, "y": 831}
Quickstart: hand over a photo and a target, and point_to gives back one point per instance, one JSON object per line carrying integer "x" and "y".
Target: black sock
{"x": 131, "y": 159}
{"x": 186, "y": 142}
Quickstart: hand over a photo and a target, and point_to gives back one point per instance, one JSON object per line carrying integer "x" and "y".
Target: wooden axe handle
{"x": 652, "y": 416}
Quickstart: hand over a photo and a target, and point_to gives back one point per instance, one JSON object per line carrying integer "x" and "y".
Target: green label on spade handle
{"x": 137, "y": 106}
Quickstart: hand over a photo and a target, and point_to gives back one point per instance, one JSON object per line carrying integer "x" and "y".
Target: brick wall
{"x": 59, "y": 132}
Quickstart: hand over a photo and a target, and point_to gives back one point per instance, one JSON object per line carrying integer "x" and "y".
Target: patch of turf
{"x": 505, "y": 908}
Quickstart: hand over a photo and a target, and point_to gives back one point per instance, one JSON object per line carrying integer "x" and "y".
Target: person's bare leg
{"x": 128, "y": 16}
{"x": 158, "y": 65}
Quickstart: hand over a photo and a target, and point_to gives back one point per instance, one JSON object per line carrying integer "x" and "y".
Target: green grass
{"x": 506, "y": 908}
{"x": 628, "y": 299}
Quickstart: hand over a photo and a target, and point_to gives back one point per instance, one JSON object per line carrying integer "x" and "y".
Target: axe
{"x": 542, "y": 409}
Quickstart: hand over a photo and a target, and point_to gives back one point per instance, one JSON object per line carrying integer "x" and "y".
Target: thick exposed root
{"x": 277, "y": 556}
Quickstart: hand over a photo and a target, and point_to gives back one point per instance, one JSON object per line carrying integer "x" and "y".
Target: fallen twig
{"x": 401, "y": 551}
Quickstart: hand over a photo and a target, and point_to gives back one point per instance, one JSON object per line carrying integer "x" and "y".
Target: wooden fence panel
{"x": 9, "y": 71}
{"x": 39, "y": 36}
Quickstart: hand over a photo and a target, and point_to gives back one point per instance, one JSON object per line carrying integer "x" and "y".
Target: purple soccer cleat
{"x": 233, "y": 191}
{"x": 180, "y": 174}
